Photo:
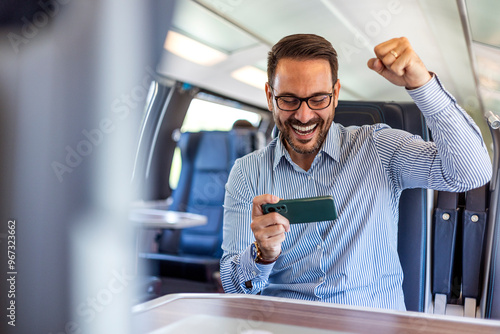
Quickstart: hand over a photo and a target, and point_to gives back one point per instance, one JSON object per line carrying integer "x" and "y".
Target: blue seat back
{"x": 207, "y": 158}
{"x": 412, "y": 233}
{"x": 206, "y": 196}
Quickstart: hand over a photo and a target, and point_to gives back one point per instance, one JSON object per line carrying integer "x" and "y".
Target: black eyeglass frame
{"x": 303, "y": 99}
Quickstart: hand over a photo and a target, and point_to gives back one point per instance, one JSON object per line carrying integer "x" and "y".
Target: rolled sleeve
{"x": 238, "y": 269}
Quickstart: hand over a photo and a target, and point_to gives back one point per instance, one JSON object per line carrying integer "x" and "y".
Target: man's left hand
{"x": 397, "y": 62}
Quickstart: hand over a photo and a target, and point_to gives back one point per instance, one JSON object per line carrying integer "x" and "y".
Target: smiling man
{"x": 353, "y": 260}
{"x": 303, "y": 129}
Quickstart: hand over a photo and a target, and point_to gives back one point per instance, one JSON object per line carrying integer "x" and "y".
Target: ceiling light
{"x": 192, "y": 50}
{"x": 251, "y": 76}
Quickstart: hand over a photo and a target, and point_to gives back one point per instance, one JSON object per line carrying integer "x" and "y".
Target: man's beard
{"x": 286, "y": 128}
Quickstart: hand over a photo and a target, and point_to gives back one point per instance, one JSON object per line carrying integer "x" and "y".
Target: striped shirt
{"x": 353, "y": 260}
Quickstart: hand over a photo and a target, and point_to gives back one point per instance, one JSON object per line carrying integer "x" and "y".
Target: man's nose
{"x": 304, "y": 114}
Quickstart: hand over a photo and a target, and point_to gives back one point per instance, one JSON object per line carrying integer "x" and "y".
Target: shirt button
{"x": 309, "y": 177}
{"x": 254, "y": 273}
{"x": 321, "y": 279}
{"x": 318, "y": 246}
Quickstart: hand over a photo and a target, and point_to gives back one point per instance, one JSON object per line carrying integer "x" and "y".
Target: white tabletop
{"x": 156, "y": 218}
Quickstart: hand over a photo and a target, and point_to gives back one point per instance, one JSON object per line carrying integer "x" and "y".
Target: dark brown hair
{"x": 301, "y": 47}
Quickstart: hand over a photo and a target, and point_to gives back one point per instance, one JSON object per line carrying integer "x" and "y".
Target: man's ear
{"x": 269, "y": 96}
{"x": 336, "y": 91}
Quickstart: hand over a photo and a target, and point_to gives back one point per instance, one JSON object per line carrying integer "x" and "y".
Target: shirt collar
{"x": 331, "y": 146}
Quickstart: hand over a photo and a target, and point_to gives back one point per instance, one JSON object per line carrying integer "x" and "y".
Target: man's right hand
{"x": 269, "y": 230}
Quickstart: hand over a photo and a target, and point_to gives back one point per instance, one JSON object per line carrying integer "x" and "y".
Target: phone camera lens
{"x": 271, "y": 209}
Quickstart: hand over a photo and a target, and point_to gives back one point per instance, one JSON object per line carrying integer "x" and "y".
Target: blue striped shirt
{"x": 353, "y": 260}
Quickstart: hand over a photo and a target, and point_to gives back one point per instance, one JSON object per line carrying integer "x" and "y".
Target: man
{"x": 354, "y": 259}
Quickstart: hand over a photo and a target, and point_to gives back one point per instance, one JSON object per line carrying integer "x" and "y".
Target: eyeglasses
{"x": 292, "y": 103}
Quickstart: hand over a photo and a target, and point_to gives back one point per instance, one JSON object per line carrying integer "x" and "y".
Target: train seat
{"x": 207, "y": 158}
{"x": 413, "y": 206}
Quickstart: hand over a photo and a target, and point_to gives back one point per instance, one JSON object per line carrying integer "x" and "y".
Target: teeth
{"x": 304, "y": 128}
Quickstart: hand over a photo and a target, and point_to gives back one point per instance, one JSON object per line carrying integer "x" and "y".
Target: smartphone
{"x": 304, "y": 210}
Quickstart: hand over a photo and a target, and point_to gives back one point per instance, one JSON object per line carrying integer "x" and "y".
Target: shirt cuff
{"x": 254, "y": 271}
{"x": 431, "y": 98}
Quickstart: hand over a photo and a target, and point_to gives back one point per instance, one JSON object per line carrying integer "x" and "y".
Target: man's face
{"x": 304, "y": 130}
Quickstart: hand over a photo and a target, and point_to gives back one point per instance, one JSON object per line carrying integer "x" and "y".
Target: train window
{"x": 205, "y": 115}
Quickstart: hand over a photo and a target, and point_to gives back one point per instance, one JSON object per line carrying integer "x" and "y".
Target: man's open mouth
{"x": 304, "y": 130}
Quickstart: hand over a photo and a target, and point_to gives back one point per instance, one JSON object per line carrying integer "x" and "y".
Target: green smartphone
{"x": 304, "y": 210}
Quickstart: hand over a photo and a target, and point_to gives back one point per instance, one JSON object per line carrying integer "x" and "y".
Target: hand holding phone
{"x": 304, "y": 210}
